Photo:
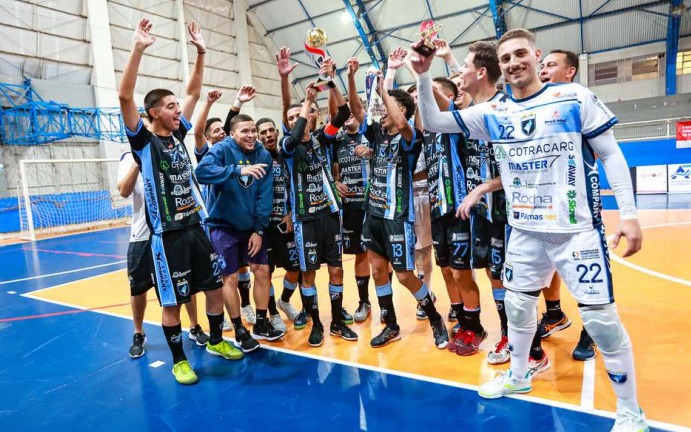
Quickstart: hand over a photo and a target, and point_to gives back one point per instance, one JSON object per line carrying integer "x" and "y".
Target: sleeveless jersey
{"x": 354, "y": 171}
{"x": 445, "y": 173}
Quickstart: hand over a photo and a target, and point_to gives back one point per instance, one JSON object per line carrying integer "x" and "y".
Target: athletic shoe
{"x": 538, "y": 366}
{"x": 505, "y": 384}
{"x": 386, "y": 336}
{"x": 288, "y": 309}
{"x": 343, "y": 331}
{"x": 226, "y": 325}
{"x": 137, "y": 348}
{"x": 301, "y": 320}
{"x": 629, "y": 421}
{"x": 347, "y": 318}
{"x": 469, "y": 344}
{"x": 263, "y": 330}
{"x": 278, "y": 323}
{"x": 244, "y": 340}
{"x": 455, "y": 329}
{"x": 501, "y": 353}
{"x": 441, "y": 335}
{"x": 362, "y": 312}
{"x": 198, "y": 336}
{"x": 585, "y": 350}
{"x": 316, "y": 336}
{"x": 548, "y": 326}
{"x": 248, "y": 314}
{"x": 183, "y": 372}
{"x": 225, "y": 350}
{"x": 452, "y": 315}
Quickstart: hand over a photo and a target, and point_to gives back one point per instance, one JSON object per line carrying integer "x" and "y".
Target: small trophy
{"x": 428, "y": 31}
{"x": 315, "y": 49}
{"x": 375, "y": 105}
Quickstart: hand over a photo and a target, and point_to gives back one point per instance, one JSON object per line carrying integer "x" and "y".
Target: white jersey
{"x": 548, "y": 170}
{"x": 139, "y": 230}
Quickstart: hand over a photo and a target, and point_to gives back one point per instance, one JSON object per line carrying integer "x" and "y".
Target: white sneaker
{"x": 629, "y": 421}
{"x": 226, "y": 325}
{"x": 501, "y": 353}
{"x": 278, "y": 323}
{"x": 288, "y": 309}
{"x": 505, "y": 384}
{"x": 248, "y": 314}
{"x": 538, "y": 366}
{"x": 362, "y": 312}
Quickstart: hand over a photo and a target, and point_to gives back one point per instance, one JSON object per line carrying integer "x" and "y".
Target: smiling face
{"x": 518, "y": 60}
{"x": 245, "y": 135}
{"x": 166, "y": 114}
{"x": 556, "y": 70}
{"x": 215, "y": 132}
{"x": 268, "y": 135}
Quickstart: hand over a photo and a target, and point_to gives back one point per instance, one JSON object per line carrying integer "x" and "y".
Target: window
{"x": 645, "y": 67}
{"x": 683, "y": 62}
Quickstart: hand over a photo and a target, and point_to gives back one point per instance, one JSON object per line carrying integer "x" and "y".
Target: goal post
{"x": 63, "y": 195}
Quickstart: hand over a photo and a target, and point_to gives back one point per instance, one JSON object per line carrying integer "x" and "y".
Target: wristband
{"x": 237, "y": 104}
{"x": 331, "y": 84}
{"x": 201, "y": 52}
{"x": 259, "y": 232}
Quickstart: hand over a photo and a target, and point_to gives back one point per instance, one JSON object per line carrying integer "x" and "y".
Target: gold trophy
{"x": 315, "y": 49}
{"x": 428, "y": 31}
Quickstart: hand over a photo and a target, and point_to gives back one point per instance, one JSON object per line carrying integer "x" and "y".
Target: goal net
{"x": 61, "y": 195}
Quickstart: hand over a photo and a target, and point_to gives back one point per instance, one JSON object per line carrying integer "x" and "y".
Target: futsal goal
{"x": 63, "y": 195}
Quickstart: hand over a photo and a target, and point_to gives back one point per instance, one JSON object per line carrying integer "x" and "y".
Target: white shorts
{"x": 581, "y": 259}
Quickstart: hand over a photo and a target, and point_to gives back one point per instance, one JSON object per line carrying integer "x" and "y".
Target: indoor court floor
{"x": 66, "y": 326}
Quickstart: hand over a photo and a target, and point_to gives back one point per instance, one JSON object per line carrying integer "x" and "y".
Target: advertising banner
{"x": 679, "y": 178}
{"x": 651, "y": 179}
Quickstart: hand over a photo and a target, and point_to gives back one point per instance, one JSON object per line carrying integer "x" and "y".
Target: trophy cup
{"x": 428, "y": 31}
{"x": 375, "y": 105}
{"x": 315, "y": 49}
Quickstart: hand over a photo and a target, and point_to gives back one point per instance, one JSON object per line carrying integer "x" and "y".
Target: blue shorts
{"x": 233, "y": 248}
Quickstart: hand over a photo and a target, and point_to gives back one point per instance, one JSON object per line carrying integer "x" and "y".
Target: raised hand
{"x": 196, "y": 37}
{"x": 353, "y": 65}
{"x": 443, "y": 49}
{"x": 420, "y": 63}
{"x": 213, "y": 95}
{"x": 283, "y": 62}
{"x": 142, "y": 37}
{"x": 246, "y": 93}
{"x": 396, "y": 58}
{"x": 311, "y": 92}
{"x": 328, "y": 68}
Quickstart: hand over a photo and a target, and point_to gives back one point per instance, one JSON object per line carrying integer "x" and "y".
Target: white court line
{"x": 61, "y": 273}
{"x": 588, "y": 386}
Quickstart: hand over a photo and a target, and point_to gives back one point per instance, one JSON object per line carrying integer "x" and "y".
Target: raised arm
{"x": 284, "y": 69}
{"x": 395, "y": 63}
{"x": 396, "y": 115}
{"x": 444, "y": 51}
{"x": 194, "y": 86}
{"x": 128, "y": 173}
{"x": 342, "y": 111}
{"x": 297, "y": 133}
{"x": 142, "y": 40}
{"x": 245, "y": 94}
{"x": 353, "y": 98}
{"x": 200, "y": 124}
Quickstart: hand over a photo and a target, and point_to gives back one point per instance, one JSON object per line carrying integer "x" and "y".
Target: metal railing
{"x": 643, "y": 130}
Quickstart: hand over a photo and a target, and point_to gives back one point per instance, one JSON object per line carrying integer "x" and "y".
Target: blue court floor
{"x": 66, "y": 369}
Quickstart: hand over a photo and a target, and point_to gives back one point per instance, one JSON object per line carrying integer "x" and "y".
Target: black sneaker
{"x": 316, "y": 336}
{"x": 441, "y": 335}
{"x": 386, "y": 336}
{"x": 347, "y": 318}
{"x": 301, "y": 320}
{"x": 452, "y": 315}
{"x": 343, "y": 331}
{"x": 263, "y": 330}
{"x": 245, "y": 341}
{"x": 585, "y": 350}
{"x": 137, "y": 348}
{"x": 198, "y": 336}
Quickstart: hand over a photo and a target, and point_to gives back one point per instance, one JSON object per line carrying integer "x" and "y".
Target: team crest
{"x": 508, "y": 272}
{"x": 245, "y": 181}
{"x": 346, "y": 242}
{"x": 312, "y": 256}
{"x": 528, "y": 124}
{"x": 183, "y": 288}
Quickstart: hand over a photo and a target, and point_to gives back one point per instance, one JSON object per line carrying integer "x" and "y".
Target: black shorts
{"x": 451, "y": 239}
{"x": 392, "y": 239}
{"x": 281, "y": 249}
{"x": 139, "y": 267}
{"x": 352, "y": 231}
{"x": 184, "y": 264}
{"x": 318, "y": 241}
{"x": 489, "y": 241}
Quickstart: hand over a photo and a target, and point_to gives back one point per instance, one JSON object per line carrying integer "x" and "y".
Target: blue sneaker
{"x": 585, "y": 350}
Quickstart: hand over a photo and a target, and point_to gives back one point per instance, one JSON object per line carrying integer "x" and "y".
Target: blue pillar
{"x": 673, "y": 24}
{"x": 498, "y": 17}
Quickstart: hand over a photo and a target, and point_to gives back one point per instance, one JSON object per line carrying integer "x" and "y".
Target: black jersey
{"x": 445, "y": 173}
{"x": 171, "y": 192}
{"x": 354, "y": 171}
{"x": 281, "y": 205}
{"x": 390, "y": 189}
{"x": 312, "y": 187}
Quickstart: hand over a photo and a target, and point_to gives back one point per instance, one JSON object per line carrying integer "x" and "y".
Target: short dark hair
{"x": 518, "y": 33}
{"x": 154, "y": 98}
{"x": 570, "y": 57}
{"x": 412, "y": 89}
{"x": 263, "y": 120}
{"x": 209, "y": 122}
{"x": 486, "y": 57}
{"x": 295, "y": 105}
{"x": 240, "y": 118}
{"x": 448, "y": 85}
{"x": 404, "y": 98}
